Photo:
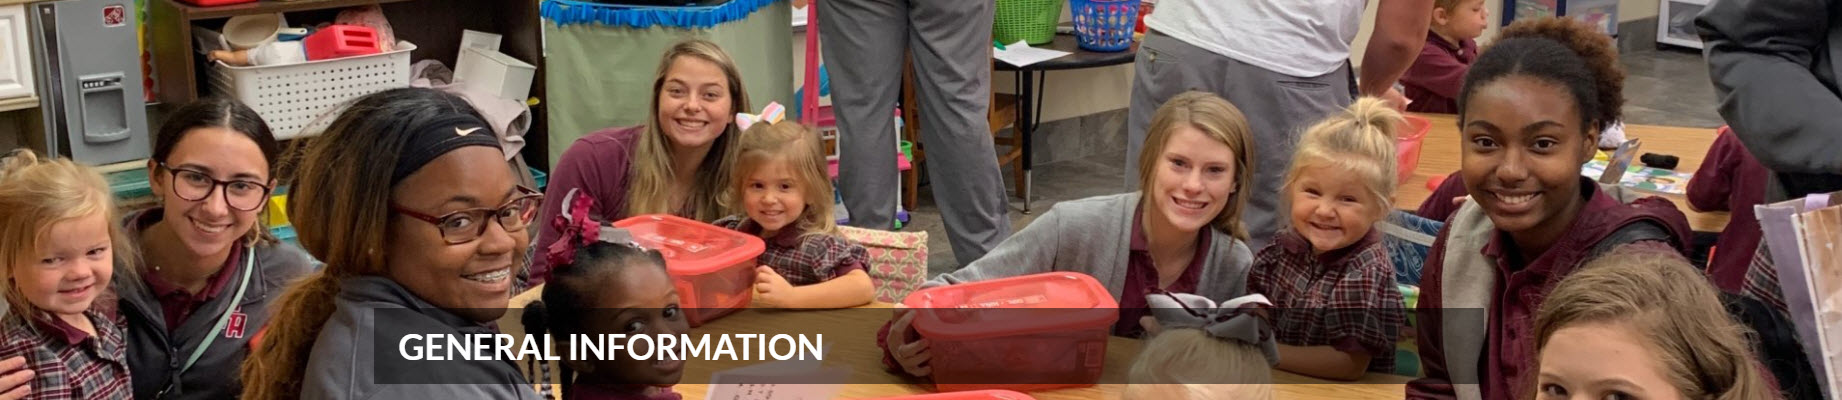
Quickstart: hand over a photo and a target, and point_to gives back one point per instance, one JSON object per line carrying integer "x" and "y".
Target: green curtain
{"x": 600, "y": 76}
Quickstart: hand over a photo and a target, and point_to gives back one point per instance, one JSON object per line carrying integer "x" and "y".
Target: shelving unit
{"x": 433, "y": 25}
{"x": 1676, "y": 22}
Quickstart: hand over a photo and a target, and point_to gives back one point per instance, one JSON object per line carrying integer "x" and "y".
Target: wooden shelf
{"x": 21, "y": 103}
{"x": 190, "y": 12}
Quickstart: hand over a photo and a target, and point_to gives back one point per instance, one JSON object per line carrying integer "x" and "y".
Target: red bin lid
{"x": 691, "y": 247}
{"x": 1067, "y": 300}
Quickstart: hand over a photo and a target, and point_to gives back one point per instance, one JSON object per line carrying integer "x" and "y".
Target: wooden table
{"x": 852, "y": 338}
{"x": 1439, "y": 155}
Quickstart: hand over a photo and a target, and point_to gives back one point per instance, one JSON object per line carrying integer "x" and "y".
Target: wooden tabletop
{"x": 1439, "y": 155}
{"x": 851, "y": 334}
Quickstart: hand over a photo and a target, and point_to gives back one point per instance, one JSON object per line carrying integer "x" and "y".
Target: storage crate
{"x": 295, "y": 98}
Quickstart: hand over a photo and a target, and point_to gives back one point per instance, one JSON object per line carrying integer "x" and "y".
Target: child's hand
{"x": 15, "y": 379}
{"x": 912, "y": 355}
{"x": 772, "y": 290}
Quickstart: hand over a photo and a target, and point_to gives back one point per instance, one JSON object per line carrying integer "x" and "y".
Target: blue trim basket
{"x": 1104, "y": 25}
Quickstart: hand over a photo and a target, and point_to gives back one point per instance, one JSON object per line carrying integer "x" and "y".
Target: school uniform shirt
{"x": 66, "y": 362}
{"x": 599, "y": 392}
{"x": 597, "y": 164}
{"x": 801, "y": 258}
{"x": 1436, "y": 76}
{"x": 1142, "y": 280}
{"x": 166, "y": 324}
{"x": 1731, "y": 179}
{"x": 1479, "y": 295}
{"x": 1344, "y": 298}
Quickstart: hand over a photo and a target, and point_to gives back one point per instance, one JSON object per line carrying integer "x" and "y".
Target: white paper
{"x": 1021, "y": 54}
{"x": 768, "y": 381}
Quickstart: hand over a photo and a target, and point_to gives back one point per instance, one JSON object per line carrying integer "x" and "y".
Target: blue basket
{"x": 1104, "y": 25}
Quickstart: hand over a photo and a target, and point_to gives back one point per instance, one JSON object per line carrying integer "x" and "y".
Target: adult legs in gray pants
{"x": 863, "y": 43}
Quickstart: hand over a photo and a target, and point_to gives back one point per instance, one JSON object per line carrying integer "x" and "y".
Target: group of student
{"x": 1542, "y": 283}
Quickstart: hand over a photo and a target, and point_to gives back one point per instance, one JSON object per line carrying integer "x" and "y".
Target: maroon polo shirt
{"x": 1142, "y": 278}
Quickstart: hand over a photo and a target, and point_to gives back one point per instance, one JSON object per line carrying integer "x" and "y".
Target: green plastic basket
{"x": 1032, "y": 21}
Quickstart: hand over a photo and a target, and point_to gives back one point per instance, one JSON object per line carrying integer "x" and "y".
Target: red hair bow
{"x": 576, "y": 227}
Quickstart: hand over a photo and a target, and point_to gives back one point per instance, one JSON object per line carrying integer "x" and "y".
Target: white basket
{"x": 294, "y": 98}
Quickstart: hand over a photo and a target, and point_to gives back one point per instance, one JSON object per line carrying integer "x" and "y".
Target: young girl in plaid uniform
{"x": 780, "y": 182}
{"x": 58, "y": 242}
{"x": 1337, "y": 308}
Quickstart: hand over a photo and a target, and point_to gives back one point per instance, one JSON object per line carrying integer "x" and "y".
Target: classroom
{"x": 920, "y": 199}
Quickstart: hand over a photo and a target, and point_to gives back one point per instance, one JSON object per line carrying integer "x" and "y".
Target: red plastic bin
{"x": 1049, "y": 332}
{"x": 1407, "y": 146}
{"x": 712, "y": 268}
{"x": 339, "y": 41}
{"x": 972, "y": 395}
{"x": 214, "y": 3}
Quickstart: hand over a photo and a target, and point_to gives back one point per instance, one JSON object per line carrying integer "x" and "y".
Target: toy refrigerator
{"x": 88, "y": 58}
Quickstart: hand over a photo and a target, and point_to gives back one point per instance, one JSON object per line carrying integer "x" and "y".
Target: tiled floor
{"x": 1662, "y": 87}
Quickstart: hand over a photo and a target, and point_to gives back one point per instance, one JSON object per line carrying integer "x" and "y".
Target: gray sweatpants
{"x": 863, "y": 43}
{"x": 1277, "y": 106}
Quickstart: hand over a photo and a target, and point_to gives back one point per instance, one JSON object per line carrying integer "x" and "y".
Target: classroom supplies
{"x": 1641, "y": 178}
{"x": 1021, "y": 54}
{"x": 340, "y": 41}
{"x": 1804, "y": 237}
{"x": 1031, "y": 332}
{"x": 1104, "y": 25}
{"x": 1031, "y": 21}
{"x": 713, "y": 268}
{"x": 1407, "y": 146}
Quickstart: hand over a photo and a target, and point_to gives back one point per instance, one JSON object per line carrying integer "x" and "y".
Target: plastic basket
{"x": 1032, "y": 21}
{"x": 1407, "y": 146}
{"x": 1104, "y": 25}
{"x": 292, "y": 98}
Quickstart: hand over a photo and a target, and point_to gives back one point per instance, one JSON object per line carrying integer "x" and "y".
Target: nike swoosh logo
{"x": 463, "y": 132}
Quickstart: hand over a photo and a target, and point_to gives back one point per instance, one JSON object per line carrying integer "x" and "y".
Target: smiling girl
{"x": 677, "y": 164}
{"x": 1180, "y": 232}
{"x": 58, "y": 248}
{"x": 1530, "y": 114}
{"x": 1337, "y": 308}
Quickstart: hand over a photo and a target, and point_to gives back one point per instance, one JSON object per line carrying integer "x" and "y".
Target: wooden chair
{"x": 1003, "y": 113}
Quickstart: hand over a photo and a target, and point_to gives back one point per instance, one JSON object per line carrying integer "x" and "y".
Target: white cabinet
{"x": 1676, "y": 22}
{"x": 15, "y": 53}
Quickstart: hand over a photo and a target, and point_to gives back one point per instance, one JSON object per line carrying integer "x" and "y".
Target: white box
{"x": 494, "y": 72}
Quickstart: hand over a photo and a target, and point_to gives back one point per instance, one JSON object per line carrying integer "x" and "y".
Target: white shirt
{"x": 1302, "y": 38}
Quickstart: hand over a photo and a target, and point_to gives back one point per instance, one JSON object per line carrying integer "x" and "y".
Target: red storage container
{"x": 712, "y": 268}
{"x": 1032, "y": 332}
{"x": 338, "y": 41}
{"x": 972, "y": 395}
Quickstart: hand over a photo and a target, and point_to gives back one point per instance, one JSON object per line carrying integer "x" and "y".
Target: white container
{"x": 295, "y": 98}
{"x": 494, "y": 72}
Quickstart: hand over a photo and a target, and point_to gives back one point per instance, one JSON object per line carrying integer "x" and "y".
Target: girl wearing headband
{"x": 407, "y": 199}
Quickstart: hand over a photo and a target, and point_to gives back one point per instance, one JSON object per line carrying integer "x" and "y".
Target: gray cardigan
{"x": 1775, "y": 65}
{"x": 1094, "y": 236}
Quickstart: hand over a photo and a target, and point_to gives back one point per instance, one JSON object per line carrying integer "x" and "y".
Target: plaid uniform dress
{"x": 1346, "y": 299}
{"x": 66, "y": 362}
{"x": 803, "y": 259}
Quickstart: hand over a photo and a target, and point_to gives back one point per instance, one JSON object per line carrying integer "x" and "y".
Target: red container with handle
{"x": 1026, "y": 333}
{"x": 340, "y": 41}
{"x": 712, "y": 268}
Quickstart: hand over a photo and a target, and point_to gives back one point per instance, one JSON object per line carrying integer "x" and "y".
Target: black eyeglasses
{"x": 194, "y": 185}
{"x": 467, "y": 225}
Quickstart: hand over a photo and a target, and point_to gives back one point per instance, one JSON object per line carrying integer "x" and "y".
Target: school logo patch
{"x": 234, "y": 330}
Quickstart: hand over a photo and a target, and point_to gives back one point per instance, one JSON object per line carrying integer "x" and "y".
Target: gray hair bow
{"x": 1227, "y": 321}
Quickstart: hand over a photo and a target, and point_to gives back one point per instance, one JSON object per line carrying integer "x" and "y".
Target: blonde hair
{"x": 797, "y": 146}
{"x": 1194, "y": 365}
{"x": 1219, "y": 120}
{"x": 650, "y": 178}
{"x": 1358, "y": 140}
{"x": 36, "y": 194}
{"x": 1704, "y": 352}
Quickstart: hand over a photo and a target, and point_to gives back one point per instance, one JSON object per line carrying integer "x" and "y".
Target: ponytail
{"x": 536, "y": 321}
{"x": 1360, "y": 140}
{"x": 278, "y": 365}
